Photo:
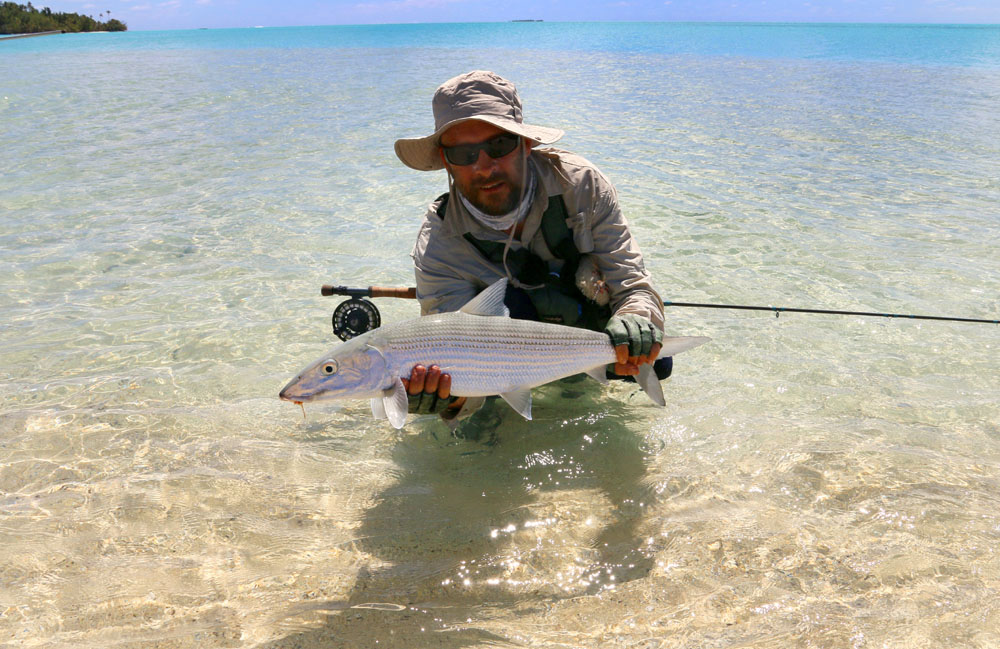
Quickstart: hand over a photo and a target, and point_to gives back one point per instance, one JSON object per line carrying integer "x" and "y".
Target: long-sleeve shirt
{"x": 450, "y": 271}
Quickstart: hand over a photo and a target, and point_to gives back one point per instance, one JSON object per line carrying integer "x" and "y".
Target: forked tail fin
{"x": 650, "y": 384}
{"x": 671, "y": 347}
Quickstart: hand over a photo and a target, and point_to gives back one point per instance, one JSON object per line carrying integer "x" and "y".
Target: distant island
{"x": 527, "y": 20}
{"x": 25, "y": 19}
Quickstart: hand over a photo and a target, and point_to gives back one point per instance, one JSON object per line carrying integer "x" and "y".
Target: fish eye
{"x": 329, "y": 368}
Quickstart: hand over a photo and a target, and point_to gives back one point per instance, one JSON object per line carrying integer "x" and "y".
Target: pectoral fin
{"x": 599, "y": 373}
{"x": 650, "y": 384}
{"x": 394, "y": 404}
{"x": 378, "y": 410}
{"x": 519, "y": 400}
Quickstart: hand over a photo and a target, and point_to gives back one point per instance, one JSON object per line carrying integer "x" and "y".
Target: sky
{"x": 194, "y": 14}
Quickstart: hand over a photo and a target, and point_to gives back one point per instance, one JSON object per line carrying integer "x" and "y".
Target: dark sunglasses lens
{"x": 466, "y": 154}
{"x": 463, "y": 154}
{"x": 501, "y": 145}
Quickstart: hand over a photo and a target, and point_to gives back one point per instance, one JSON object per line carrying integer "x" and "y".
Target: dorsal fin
{"x": 490, "y": 301}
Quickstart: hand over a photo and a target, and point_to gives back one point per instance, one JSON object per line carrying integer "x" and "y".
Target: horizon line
{"x": 526, "y": 21}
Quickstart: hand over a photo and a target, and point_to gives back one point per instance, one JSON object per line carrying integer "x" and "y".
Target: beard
{"x": 496, "y": 195}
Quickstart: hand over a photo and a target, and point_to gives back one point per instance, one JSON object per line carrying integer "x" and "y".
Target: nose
{"x": 484, "y": 163}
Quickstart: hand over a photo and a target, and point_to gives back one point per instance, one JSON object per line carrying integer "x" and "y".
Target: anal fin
{"x": 520, "y": 400}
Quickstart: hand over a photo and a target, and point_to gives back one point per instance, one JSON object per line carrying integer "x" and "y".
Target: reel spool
{"x": 354, "y": 317}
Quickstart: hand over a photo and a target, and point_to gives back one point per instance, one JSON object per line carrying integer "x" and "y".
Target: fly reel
{"x": 354, "y": 317}
{"x": 357, "y": 315}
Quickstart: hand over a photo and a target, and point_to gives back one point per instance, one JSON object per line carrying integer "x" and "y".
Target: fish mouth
{"x": 292, "y": 392}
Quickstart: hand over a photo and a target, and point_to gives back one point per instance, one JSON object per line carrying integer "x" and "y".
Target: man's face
{"x": 491, "y": 184}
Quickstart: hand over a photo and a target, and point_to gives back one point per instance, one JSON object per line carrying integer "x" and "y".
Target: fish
{"x": 484, "y": 350}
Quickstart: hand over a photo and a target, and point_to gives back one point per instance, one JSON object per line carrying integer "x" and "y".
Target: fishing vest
{"x": 554, "y": 297}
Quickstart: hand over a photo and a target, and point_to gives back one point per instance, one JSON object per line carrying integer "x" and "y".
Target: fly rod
{"x": 358, "y": 315}
{"x": 778, "y": 310}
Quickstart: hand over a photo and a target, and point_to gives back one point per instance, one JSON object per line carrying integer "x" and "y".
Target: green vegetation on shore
{"x": 25, "y": 19}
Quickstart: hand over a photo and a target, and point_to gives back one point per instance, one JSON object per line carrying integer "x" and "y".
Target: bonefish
{"x": 485, "y": 352}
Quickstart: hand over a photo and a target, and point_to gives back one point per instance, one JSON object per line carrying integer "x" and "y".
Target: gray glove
{"x": 637, "y": 332}
{"x": 428, "y": 402}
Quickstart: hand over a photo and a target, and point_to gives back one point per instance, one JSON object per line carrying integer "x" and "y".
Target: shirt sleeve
{"x": 448, "y": 270}
{"x": 618, "y": 255}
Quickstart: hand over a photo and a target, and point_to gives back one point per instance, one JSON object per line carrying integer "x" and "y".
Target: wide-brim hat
{"x": 477, "y": 95}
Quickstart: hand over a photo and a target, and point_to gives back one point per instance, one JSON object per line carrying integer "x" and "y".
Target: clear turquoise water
{"x": 962, "y": 45}
{"x": 171, "y": 202}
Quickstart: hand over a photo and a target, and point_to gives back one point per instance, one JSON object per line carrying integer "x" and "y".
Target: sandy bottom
{"x": 574, "y": 530}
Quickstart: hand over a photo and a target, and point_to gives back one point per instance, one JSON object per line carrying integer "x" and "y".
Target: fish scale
{"x": 487, "y": 354}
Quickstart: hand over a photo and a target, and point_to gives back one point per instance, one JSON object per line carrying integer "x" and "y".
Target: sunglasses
{"x": 495, "y": 147}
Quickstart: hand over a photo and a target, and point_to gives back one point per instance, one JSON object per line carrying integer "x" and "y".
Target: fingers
{"x": 626, "y": 365}
{"x": 432, "y": 380}
{"x": 646, "y": 338}
{"x": 626, "y": 369}
{"x": 417, "y": 378}
{"x": 444, "y": 387}
{"x": 428, "y": 380}
{"x": 636, "y": 333}
{"x": 654, "y": 353}
{"x": 635, "y": 338}
{"x": 641, "y": 336}
{"x": 621, "y": 353}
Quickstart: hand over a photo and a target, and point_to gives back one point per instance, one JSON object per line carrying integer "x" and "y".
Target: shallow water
{"x": 168, "y": 215}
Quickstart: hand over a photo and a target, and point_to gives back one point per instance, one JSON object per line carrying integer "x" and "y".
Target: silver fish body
{"x": 485, "y": 352}
{"x": 487, "y": 355}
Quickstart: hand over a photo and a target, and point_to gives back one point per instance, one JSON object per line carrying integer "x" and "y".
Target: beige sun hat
{"x": 478, "y": 95}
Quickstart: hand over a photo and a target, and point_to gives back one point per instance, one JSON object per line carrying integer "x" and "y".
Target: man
{"x": 542, "y": 218}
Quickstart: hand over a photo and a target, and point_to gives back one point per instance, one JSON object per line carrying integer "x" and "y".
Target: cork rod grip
{"x": 409, "y": 293}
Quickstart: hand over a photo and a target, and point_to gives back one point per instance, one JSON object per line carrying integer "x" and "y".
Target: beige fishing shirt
{"x": 450, "y": 271}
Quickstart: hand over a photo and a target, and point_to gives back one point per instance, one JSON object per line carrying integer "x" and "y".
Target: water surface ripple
{"x": 169, "y": 211}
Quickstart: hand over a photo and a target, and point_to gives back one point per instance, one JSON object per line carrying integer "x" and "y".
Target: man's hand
{"x": 429, "y": 391}
{"x": 636, "y": 340}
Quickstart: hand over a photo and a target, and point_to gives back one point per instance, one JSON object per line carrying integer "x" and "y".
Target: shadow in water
{"x": 472, "y": 533}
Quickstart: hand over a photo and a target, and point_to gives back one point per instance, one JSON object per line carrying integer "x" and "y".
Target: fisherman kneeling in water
{"x": 545, "y": 218}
